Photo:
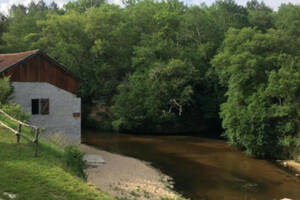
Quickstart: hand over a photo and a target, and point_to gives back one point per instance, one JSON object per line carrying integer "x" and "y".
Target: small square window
{"x": 45, "y": 106}
{"x": 35, "y": 106}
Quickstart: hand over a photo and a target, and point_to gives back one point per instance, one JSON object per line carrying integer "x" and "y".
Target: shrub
{"x": 6, "y": 90}
{"x": 15, "y": 110}
{"x": 74, "y": 160}
{"x": 291, "y": 147}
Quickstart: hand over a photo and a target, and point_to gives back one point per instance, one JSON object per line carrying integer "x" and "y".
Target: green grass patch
{"x": 25, "y": 130}
{"x": 46, "y": 177}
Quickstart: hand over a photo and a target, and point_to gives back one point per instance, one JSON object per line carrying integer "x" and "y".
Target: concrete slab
{"x": 93, "y": 159}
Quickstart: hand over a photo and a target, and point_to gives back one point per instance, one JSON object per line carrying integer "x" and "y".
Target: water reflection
{"x": 204, "y": 168}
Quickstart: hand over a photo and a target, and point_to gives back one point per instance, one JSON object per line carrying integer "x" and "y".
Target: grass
{"x": 46, "y": 177}
{"x": 26, "y": 130}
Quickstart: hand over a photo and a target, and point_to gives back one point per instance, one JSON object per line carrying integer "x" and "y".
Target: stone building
{"x": 47, "y": 91}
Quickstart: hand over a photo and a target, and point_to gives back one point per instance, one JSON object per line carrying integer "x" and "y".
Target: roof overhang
{"x": 22, "y": 57}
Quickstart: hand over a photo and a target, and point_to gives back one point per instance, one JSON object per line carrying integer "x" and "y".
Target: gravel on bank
{"x": 292, "y": 165}
{"x": 129, "y": 178}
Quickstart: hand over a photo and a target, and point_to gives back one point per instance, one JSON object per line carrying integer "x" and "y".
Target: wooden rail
{"x": 19, "y": 134}
{"x": 19, "y": 122}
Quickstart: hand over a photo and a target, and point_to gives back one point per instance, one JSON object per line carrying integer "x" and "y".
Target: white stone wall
{"x": 62, "y": 104}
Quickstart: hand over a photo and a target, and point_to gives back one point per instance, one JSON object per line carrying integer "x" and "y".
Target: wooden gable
{"x": 39, "y": 67}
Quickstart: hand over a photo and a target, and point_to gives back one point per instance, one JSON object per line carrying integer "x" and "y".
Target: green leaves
{"x": 157, "y": 96}
{"x": 262, "y": 81}
{"x": 161, "y": 65}
{"x": 5, "y": 90}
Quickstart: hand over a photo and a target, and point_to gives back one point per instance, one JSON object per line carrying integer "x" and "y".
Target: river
{"x": 204, "y": 169}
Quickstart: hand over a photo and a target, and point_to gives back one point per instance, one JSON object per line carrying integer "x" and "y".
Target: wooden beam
{"x": 11, "y": 129}
{"x": 19, "y": 122}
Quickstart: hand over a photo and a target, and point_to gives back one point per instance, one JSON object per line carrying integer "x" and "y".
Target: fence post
{"x": 36, "y": 141}
{"x": 19, "y": 133}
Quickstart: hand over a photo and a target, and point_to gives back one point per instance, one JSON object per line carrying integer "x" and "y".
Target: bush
{"x": 15, "y": 110}
{"x": 291, "y": 147}
{"x": 6, "y": 90}
{"x": 74, "y": 160}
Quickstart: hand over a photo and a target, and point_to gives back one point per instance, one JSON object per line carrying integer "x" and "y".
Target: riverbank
{"x": 292, "y": 165}
{"x": 47, "y": 177}
{"x": 128, "y": 178}
{"x": 204, "y": 168}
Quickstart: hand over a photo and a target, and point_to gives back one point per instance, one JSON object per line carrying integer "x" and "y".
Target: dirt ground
{"x": 129, "y": 178}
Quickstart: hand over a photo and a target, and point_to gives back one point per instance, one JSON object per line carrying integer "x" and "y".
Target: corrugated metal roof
{"x": 8, "y": 60}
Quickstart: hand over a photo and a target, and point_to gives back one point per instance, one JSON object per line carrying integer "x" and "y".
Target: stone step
{"x": 93, "y": 159}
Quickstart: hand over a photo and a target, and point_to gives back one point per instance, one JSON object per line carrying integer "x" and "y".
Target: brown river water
{"x": 204, "y": 169}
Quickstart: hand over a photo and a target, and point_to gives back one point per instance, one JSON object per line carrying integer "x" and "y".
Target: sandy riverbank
{"x": 291, "y": 165}
{"x": 129, "y": 178}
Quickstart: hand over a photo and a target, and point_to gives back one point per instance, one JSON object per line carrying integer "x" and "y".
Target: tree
{"x": 227, "y": 14}
{"x": 288, "y": 19}
{"x": 63, "y": 37}
{"x": 261, "y": 113}
{"x": 112, "y": 46}
{"x": 260, "y": 15}
{"x": 53, "y": 6}
{"x": 3, "y": 27}
{"x": 159, "y": 96}
{"x": 83, "y": 5}
{"x": 162, "y": 65}
{"x": 22, "y": 30}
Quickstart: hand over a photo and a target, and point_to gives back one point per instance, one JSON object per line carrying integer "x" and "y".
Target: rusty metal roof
{"x": 11, "y": 59}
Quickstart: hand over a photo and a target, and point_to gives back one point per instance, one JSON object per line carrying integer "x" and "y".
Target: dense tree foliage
{"x": 162, "y": 66}
{"x": 262, "y": 76}
{"x": 158, "y": 96}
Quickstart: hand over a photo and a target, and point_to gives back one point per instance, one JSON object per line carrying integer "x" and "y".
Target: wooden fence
{"x": 19, "y": 134}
